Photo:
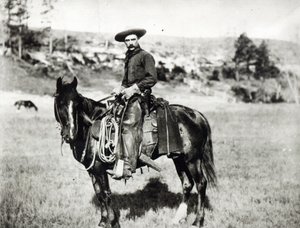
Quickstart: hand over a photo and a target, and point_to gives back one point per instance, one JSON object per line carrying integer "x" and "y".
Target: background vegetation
{"x": 238, "y": 68}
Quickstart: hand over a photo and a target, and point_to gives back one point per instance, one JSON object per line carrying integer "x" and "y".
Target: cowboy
{"x": 140, "y": 76}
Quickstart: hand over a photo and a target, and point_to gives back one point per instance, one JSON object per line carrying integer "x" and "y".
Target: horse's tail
{"x": 207, "y": 162}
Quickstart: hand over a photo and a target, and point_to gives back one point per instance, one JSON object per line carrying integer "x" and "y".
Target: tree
{"x": 3, "y": 27}
{"x": 263, "y": 66}
{"x": 17, "y": 17}
{"x": 245, "y": 52}
{"x": 262, "y": 60}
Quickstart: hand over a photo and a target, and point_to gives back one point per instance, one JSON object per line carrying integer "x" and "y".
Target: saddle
{"x": 160, "y": 129}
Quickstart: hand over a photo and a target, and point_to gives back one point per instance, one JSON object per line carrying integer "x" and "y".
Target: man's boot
{"x": 121, "y": 170}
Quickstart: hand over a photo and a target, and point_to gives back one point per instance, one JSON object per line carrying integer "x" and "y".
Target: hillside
{"x": 200, "y": 65}
{"x": 287, "y": 52}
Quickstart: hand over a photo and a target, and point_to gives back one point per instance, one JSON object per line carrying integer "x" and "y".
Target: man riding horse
{"x": 194, "y": 164}
{"x": 140, "y": 76}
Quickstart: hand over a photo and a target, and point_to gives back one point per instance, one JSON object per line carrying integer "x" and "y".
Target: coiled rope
{"x": 107, "y": 145}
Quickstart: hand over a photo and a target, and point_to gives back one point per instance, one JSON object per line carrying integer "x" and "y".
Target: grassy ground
{"x": 257, "y": 158}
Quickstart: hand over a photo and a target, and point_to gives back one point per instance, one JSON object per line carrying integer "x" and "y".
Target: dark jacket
{"x": 139, "y": 69}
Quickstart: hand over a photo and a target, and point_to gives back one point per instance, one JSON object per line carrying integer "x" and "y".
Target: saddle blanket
{"x": 170, "y": 141}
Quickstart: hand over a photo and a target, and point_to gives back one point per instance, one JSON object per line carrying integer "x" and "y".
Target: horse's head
{"x": 66, "y": 106}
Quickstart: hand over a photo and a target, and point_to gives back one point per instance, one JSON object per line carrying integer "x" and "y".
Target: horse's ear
{"x": 74, "y": 83}
{"x": 58, "y": 84}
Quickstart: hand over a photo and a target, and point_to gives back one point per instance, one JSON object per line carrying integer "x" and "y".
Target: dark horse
{"x": 195, "y": 166}
{"x": 26, "y": 104}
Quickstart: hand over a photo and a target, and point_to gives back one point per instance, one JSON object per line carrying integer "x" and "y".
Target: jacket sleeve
{"x": 150, "y": 78}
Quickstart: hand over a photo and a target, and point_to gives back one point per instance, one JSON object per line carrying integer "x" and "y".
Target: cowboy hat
{"x": 120, "y": 37}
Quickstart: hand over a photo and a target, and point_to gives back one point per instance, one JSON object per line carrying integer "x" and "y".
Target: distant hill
{"x": 282, "y": 52}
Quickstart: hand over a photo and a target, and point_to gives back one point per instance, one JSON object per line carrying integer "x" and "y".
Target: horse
{"x": 28, "y": 104}
{"x": 195, "y": 166}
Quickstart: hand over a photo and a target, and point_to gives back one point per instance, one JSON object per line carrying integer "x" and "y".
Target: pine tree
{"x": 245, "y": 51}
{"x": 262, "y": 61}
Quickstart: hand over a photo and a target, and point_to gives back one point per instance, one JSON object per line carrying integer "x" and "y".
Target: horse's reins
{"x": 90, "y": 123}
{"x": 106, "y": 98}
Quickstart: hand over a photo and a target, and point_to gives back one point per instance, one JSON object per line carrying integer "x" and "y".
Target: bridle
{"x": 87, "y": 121}
{"x": 61, "y": 123}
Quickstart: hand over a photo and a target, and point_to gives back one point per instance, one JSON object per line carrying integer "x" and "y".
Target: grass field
{"x": 257, "y": 157}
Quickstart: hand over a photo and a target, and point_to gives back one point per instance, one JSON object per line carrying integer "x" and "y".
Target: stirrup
{"x": 174, "y": 155}
{"x": 148, "y": 161}
{"x": 118, "y": 172}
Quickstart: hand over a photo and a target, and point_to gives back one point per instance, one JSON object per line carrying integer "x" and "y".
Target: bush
{"x": 33, "y": 39}
{"x": 215, "y": 75}
{"x": 243, "y": 92}
{"x": 178, "y": 70}
{"x": 228, "y": 72}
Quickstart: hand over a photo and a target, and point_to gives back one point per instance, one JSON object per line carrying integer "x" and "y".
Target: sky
{"x": 277, "y": 19}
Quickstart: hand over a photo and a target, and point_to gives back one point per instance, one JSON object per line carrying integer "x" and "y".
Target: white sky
{"x": 277, "y": 19}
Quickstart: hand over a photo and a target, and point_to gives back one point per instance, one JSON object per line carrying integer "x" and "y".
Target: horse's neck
{"x": 90, "y": 107}
{"x": 80, "y": 143}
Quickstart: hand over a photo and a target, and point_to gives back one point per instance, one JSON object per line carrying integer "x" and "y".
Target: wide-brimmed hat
{"x": 120, "y": 37}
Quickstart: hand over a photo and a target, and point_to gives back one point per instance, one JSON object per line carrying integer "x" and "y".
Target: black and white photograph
{"x": 150, "y": 113}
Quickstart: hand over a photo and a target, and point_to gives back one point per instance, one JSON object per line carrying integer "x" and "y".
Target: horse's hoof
{"x": 117, "y": 225}
{"x": 198, "y": 222}
{"x": 182, "y": 221}
{"x": 179, "y": 222}
{"x": 181, "y": 214}
{"x": 104, "y": 225}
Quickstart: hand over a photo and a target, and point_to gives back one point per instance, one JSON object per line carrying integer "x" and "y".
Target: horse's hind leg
{"x": 201, "y": 184}
{"x": 187, "y": 186}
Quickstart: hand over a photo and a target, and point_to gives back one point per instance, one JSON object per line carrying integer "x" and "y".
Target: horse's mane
{"x": 90, "y": 106}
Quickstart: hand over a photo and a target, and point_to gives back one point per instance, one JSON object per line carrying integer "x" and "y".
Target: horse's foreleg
{"x": 109, "y": 218}
{"x": 187, "y": 186}
{"x": 201, "y": 184}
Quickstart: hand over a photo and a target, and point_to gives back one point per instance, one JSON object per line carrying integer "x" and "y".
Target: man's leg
{"x": 128, "y": 146}
{"x": 132, "y": 134}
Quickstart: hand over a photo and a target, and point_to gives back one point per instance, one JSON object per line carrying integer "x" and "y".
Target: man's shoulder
{"x": 145, "y": 53}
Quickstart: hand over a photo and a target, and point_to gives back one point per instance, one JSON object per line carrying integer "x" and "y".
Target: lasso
{"x": 107, "y": 145}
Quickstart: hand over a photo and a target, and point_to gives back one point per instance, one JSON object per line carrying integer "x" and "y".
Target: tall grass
{"x": 257, "y": 157}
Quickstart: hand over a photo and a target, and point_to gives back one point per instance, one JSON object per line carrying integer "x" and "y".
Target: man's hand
{"x": 118, "y": 90}
{"x": 130, "y": 91}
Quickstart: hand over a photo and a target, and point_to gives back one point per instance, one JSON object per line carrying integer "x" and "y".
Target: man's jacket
{"x": 139, "y": 69}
